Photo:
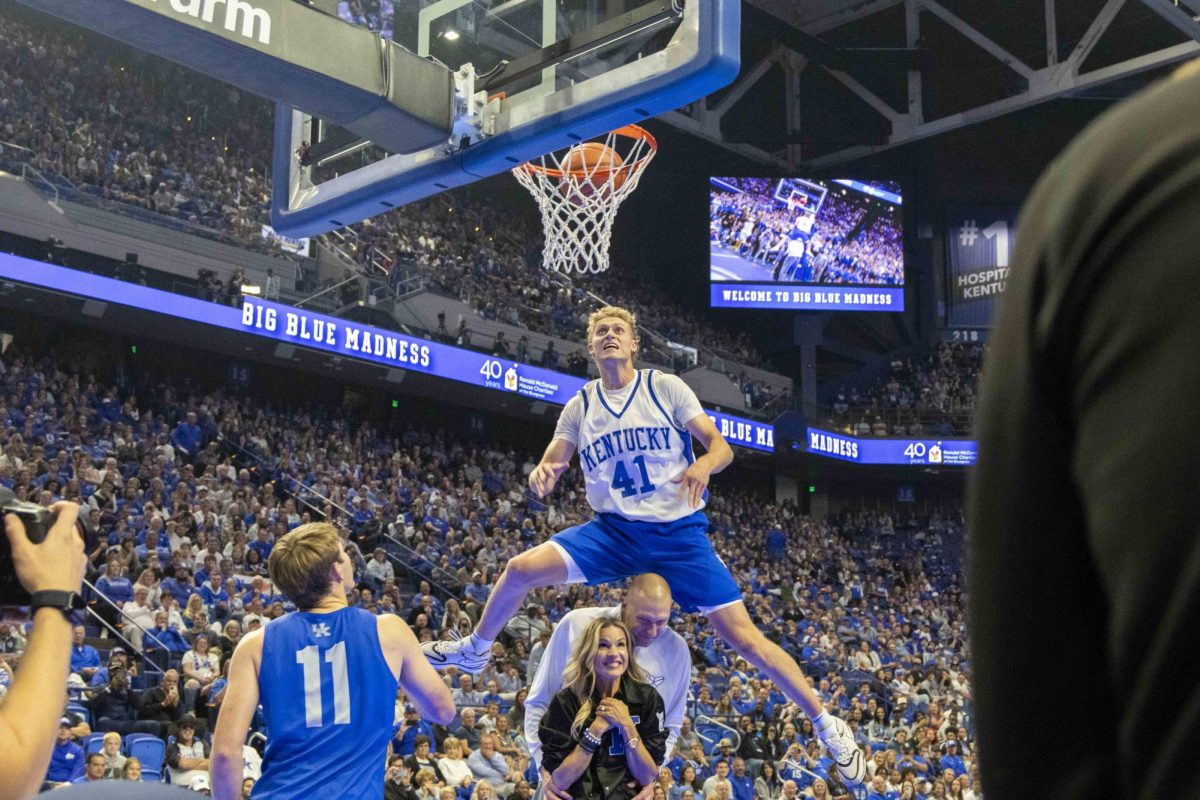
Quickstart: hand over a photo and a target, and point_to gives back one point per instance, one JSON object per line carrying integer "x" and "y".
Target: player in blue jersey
{"x": 633, "y": 430}
{"x": 326, "y": 676}
{"x": 796, "y": 263}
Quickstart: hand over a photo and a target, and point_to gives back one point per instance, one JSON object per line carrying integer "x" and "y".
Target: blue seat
{"x": 92, "y": 743}
{"x": 150, "y": 750}
{"x": 711, "y": 734}
{"x": 129, "y": 739}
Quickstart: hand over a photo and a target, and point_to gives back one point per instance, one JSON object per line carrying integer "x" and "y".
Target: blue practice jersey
{"x": 328, "y": 698}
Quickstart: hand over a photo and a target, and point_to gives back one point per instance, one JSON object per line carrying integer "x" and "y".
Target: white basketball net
{"x": 579, "y": 205}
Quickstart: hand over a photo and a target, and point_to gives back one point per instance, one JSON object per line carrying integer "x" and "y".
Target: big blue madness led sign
{"x": 348, "y": 339}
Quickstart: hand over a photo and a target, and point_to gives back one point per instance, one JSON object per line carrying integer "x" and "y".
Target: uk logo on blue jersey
{"x": 320, "y": 629}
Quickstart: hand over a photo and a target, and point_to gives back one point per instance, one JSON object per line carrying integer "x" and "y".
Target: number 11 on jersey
{"x": 309, "y": 658}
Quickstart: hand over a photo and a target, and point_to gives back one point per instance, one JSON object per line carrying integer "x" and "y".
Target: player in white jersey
{"x": 633, "y": 430}
{"x": 661, "y": 653}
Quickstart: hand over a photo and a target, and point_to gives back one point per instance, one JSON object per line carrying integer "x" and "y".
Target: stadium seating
{"x": 151, "y": 751}
{"x": 852, "y": 576}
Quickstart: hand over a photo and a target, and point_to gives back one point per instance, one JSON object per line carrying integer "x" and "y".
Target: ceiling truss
{"x": 802, "y": 50}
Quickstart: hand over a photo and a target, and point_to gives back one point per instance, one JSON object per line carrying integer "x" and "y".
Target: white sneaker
{"x": 456, "y": 654}
{"x": 846, "y": 753}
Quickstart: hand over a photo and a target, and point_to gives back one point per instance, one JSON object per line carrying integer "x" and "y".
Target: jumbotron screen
{"x": 377, "y": 15}
{"x": 801, "y": 244}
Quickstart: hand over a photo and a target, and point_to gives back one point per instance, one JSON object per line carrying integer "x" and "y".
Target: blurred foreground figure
{"x": 1084, "y": 510}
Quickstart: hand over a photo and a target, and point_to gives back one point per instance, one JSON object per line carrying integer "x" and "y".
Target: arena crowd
{"x": 934, "y": 395}
{"x": 190, "y": 487}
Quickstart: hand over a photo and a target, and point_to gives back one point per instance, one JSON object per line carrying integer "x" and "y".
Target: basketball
{"x": 593, "y": 164}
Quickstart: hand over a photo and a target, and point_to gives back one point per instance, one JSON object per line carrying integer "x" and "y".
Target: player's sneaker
{"x": 459, "y": 654}
{"x": 839, "y": 740}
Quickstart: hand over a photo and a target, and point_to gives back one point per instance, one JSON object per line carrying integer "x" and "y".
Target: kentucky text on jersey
{"x": 624, "y": 440}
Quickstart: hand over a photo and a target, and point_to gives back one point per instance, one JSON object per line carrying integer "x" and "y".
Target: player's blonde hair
{"x": 580, "y": 674}
{"x": 623, "y": 314}
{"x": 300, "y": 561}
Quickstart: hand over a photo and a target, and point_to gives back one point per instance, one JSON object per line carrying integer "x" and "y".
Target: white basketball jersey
{"x": 632, "y": 444}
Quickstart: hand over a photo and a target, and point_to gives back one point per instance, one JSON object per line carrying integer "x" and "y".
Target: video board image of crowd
{"x": 776, "y": 233}
{"x": 377, "y": 15}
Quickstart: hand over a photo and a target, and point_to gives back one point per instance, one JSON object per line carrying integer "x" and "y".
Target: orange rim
{"x": 628, "y": 131}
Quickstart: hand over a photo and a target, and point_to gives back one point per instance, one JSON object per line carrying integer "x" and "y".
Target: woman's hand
{"x": 600, "y": 725}
{"x": 615, "y": 712}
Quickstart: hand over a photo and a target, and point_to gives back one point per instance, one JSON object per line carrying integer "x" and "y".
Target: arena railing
{"x": 34, "y": 177}
{"x": 437, "y": 577}
{"x": 98, "y": 596}
{"x": 712, "y": 730}
{"x": 409, "y": 566}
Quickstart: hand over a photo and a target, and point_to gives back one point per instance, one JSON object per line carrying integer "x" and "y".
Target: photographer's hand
{"x": 29, "y": 716}
{"x": 58, "y": 562}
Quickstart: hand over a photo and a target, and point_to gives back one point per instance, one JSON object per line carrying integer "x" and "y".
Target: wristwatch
{"x": 61, "y": 599}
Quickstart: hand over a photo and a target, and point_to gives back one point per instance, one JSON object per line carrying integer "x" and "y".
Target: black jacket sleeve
{"x": 554, "y": 730}
{"x": 651, "y": 726}
{"x": 152, "y": 703}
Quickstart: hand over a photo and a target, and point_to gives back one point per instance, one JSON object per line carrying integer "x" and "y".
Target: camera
{"x": 38, "y": 521}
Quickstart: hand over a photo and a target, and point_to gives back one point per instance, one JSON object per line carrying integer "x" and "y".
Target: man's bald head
{"x": 647, "y": 609}
{"x": 651, "y": 585}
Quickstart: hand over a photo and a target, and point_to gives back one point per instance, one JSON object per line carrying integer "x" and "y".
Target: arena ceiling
{"x": 828, "y": 81}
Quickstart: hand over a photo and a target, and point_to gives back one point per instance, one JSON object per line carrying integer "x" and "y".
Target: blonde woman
{"x": 153, "y": 587}
{"x": 483, "y": 791}
{"x": 591, "y": 744}
{"x": 819, "y": 790}
{"x": 453, "y": 766}
{"x": 195, "y": 618}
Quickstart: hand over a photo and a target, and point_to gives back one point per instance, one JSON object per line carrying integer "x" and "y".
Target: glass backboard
{"x": 543, "y": 74}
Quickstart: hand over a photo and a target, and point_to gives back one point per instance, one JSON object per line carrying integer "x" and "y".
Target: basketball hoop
{"x": 579, "y": 191}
